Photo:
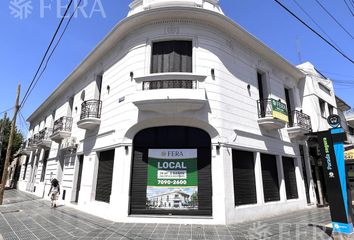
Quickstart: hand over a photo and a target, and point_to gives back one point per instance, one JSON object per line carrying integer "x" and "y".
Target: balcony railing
{"x": 63, "y": 124}
{"x": 166, "y": 84}
{"x": 91, "y": 109}
{"x": 44, "y": 134}
{"x": 300, "y": 119}
{"x": 33, "y": 140}
{"x": 272, "y": 108}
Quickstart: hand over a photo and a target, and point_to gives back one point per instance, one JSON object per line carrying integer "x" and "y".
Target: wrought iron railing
{"x": 33, "y": 140}
{"x": 165, "y": 84}
{"x": 63, "y": 124}
{"x": 300, "y": 119}
{"x": 91, "y": 109}
{"x": 264, "y": 107}
{"x": 45, "y": 133}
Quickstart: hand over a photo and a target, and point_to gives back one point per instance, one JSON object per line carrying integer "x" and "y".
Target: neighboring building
{"x": 179, "y": 77}
{"x": 319, "y": 101}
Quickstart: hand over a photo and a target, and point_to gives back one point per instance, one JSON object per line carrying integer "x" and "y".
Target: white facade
{"x": 223, "y": 103}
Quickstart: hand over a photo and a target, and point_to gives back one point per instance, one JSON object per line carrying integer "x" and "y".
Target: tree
{"x": 18, "y": 140}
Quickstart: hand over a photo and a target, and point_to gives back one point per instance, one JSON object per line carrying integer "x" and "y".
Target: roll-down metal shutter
{"x": 290, "y": 178}
{"x": 104, "y": 176}
{"x": 173, "y": 137}
{"x": 244, "y": 177}
{"x": 270, "y": 178}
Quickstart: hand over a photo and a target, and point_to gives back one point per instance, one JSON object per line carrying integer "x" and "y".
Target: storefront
{"x": 171, "y": 173}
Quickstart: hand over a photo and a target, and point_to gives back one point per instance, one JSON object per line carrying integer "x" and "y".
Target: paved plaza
{"x": 26, "y": 217}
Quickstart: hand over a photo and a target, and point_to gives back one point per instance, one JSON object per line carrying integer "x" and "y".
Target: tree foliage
{"x": 18, "y": 140}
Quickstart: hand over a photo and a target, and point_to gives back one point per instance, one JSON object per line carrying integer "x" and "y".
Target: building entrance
{"x": 171, "y": 172}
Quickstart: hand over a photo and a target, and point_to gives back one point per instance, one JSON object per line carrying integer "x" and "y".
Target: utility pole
{"x": 2, "y": 132}
{"x": 9, "y": 146}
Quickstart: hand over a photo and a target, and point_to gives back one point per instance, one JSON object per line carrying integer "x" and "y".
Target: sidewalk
{"x": 26, "y": 217}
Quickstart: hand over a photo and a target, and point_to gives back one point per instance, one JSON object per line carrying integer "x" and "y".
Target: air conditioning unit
{"x": 69, "y": 143}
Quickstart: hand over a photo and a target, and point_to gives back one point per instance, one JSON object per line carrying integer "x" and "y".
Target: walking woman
{"x": 54, "y": 191}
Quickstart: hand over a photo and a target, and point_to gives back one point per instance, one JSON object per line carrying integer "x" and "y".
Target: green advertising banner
{"x": 279, "y": 110}
{"x": 172, "y": 179}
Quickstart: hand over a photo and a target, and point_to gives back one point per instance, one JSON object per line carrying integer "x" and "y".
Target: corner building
{"x": 175, "y": 82}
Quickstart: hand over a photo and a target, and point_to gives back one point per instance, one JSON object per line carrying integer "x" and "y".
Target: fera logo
{"x": 175, "y": 153}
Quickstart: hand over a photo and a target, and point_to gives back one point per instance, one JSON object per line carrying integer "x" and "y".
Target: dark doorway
{"x": 303, "y": 165}
{"x": 80, "y": 163}
{"x": 270, "y": 178}
{"x": 170, "y": 138}
{"x": 104, "y": 176}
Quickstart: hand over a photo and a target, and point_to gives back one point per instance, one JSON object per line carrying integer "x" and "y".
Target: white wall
{"x": 229, "y": 116}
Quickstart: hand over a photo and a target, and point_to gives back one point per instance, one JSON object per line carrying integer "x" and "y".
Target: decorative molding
{"x": 172, "y": 29}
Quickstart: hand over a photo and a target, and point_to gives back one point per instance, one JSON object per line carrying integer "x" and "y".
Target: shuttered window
{"x": 104, "y": 176}
{"x": 290, "y": 178}
{"x": 244, "y": 177}
{"x": 171, "y": 56}
{"x": 270, "y": 178}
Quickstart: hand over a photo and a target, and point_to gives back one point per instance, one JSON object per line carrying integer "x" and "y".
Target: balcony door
{"x": 171, "y": 56}
{"x": 262, "y": 91}
{"x": 71, "y": 105}
{"x": 289, "y": 106}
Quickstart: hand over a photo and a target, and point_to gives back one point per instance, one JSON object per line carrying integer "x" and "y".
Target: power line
{"x": 53, "y": 50}
{"x": 7, "y": 110}
{"x": 351, "y": 11}
{"x": 313, "y": 20}
{"x": 46, "y": 52}
{"x": 339, "y": 24}
{"x": 314, "y": 31}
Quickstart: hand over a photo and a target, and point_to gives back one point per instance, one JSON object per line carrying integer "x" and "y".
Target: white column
{"x": 258, "y": 176}
{"x": 300, "y": 179}
{"x": 310, "y": 181}
{"x": 281, "y": 179}
{"x": 89, "y": 179}
{"x": 228, "y": 181}
{"x": 218, "y": 171}
{"x": 121, "y": 182}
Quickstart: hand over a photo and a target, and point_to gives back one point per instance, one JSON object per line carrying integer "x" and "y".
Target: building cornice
{"x": 138, "y": 20}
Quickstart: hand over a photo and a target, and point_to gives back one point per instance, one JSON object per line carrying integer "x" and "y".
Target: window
{"x": 290, "y": 178}
{"x": 171, "y": 56}
{"x": 324, "y": 88}
{"x": 270, "y": 178}
{"x": 244, "y": 177}
{"x": 322, "y": 107}
{"x": 330, "y": 109}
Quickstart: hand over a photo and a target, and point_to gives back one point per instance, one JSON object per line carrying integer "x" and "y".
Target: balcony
{"x": 33, "y": 142}
{"x": 272, "y": 114}
{"x": 299, "y": 125}
{"x": 170, "y": 93}
{"x": 62, "y": 129}
{"x": 24, "y": 150}
{"x": 90, "y": 116}
{"x": 44, "y": 140}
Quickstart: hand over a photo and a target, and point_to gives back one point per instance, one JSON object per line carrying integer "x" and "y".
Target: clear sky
{"x": 23, "y": 41}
